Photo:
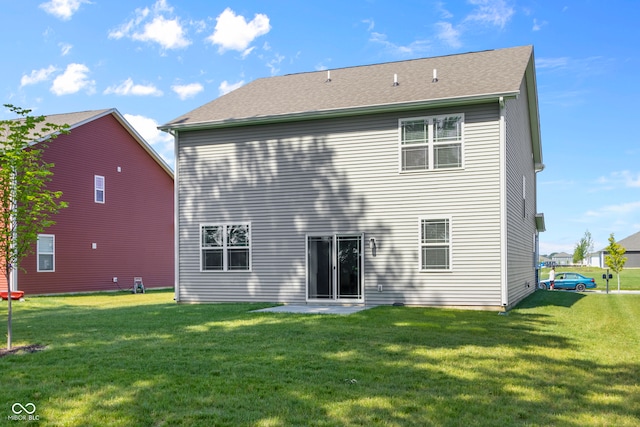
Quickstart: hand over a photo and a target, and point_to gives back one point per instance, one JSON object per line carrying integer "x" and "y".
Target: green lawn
{"x": 629, "y": 277}
{"x": 559, "y": 359}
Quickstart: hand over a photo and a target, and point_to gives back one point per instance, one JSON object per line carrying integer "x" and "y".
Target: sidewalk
{"x": 612, "y": 291}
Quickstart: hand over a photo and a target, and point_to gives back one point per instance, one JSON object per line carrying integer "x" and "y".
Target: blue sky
{"x": 156, "y": 60}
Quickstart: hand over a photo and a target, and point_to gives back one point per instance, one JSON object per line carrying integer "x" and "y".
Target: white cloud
{"x": 619, "y": 179}
{"x": 233, "y": 32}
{"x": 161, "y": 142}
{"x": 125, "y": 29}
{"x": 415, "y": 47}
{"x": 128, "y": 88}
{"x": 445, "y": 14}
{"x": 226, "y": 87}
{"x": 154, "y": 25}
{"x": 168, "y": 33}
{"x": 561, "y": 62}
{"x": 187, "y": 91}
{"x": 274, "y": 64}
{"x": 74, "y": 79}
{"x": 370, "y": 24}
{"x": 63, "y": 9}
{"x": 615, "y": 210}
{"x": 448, "y": 34}
{"x": 37, "y": 76}
{"x": 492, "y": 12}
{"x": 65, "y": 48}
{"x": 537, "y": 26}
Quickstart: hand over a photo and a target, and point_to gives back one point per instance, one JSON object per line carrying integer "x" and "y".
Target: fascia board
{"x": 342, "y": 112}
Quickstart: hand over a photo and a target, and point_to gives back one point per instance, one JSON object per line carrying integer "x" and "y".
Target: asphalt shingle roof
{"x": 476, "y": 74}
{"x": 631, "y": 243}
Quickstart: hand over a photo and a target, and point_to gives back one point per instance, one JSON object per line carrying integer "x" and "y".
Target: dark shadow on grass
{"x": 551, "y": 298}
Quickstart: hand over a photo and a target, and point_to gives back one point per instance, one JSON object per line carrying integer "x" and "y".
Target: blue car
{"x": 570, "y": 281}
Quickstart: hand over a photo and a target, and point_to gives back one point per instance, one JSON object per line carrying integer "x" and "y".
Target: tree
{"x": 26, "y": 204}
{"x": 583, "y": 248}
{"x": 615, "y": 258}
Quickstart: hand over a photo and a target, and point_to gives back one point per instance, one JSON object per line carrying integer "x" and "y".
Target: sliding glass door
{"x": 334, "y": 267}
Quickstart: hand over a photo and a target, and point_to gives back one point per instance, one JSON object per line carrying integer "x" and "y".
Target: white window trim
{"x": 225, "y": 248}
{"x": 430, "y": 143}
{"x": 450, "y": 244}
{"x": 38, "y": 253}
{"x": 96, "y": 189}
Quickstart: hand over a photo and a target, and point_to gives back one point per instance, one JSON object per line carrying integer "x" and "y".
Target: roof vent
{"x": 435, "y": 76}
{"x": 328, "y": 76}
{"x": 395, "y": 80}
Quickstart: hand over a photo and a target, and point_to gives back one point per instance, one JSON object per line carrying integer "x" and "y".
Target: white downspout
{"x": 176, "y": 220}
{"x": 504, "y": 291}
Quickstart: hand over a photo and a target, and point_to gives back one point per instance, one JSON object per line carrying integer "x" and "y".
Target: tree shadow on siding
{"x": 288, "y": 189}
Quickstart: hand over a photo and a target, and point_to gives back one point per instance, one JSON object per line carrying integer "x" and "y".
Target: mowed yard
{"x": 559, "y": 359}
{"x": 629, "y": 277}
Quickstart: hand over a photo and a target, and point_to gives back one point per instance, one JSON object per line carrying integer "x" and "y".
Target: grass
{"x": 629, "y": 277}
{"x": 560, "y": 358}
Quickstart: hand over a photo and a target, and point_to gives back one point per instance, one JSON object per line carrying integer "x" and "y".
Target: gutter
{"x": 339, "y": 112}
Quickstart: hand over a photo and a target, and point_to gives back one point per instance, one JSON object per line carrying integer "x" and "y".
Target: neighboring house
{"x": 632, "y": 246}
{"x": 562, "y": 258}
{"x": 119, "y": 222}
{"x": 409, "y": 182}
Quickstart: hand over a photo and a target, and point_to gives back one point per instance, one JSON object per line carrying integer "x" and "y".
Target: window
{"x": 431, "y": 142}
{"x": 46, "y": 252}
{"x": 225, "y": 247}
{"x": 435, "y": 244}
{"x": 98, "y": 185}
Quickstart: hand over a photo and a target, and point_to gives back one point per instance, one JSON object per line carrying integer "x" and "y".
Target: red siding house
{"x": 119, "y": 222}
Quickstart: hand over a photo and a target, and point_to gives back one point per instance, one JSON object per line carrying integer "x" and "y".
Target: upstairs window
{"x": 428, "y": 143}
{"x": 46, "y": 252}
{"x": 225, "y": 247}
{"x": 98, "y": 185}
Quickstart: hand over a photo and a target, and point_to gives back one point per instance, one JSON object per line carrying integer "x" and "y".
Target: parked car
{"x": 568, "y": 280}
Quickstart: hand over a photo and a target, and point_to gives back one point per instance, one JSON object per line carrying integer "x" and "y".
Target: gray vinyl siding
{"x": 521, "y": 229}
{"x": 290, "y": 180}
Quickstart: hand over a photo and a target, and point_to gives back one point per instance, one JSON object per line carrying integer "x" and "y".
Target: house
{"x": 562, "y": 258}
{"x": 119, "y": 221}
{"x": 410, "y": 182}
{"x": 632, "y": 246}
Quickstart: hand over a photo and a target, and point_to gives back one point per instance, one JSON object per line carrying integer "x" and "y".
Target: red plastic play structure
{"x": 14, "y": 295}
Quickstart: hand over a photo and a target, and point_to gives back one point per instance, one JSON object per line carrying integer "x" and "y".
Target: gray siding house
{"x": 631, "y": 244}
{"x": 408, "y": 182}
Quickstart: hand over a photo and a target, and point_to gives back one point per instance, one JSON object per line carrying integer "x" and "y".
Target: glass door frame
{"x": 334, "y": 295}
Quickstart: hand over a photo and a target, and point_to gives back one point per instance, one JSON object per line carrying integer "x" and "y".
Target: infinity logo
{"x": 29, "y": 408}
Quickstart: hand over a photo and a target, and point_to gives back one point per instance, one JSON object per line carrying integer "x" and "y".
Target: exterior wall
{"x": 633, "y": 259}
{"x": 340, "y": 176}
{"x": 132, "y": 230}
{"x": 520, "y": 215}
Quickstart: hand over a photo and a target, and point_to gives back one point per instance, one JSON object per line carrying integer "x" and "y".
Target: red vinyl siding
{"x": 132, "y": 229}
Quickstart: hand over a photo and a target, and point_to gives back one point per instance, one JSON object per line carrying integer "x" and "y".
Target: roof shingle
{"x": 492, "y": 72}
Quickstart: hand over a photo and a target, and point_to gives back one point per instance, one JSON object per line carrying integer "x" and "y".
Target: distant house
{"x": 562, "y": 258}
{"x": 632, "y": 246}
{"x": 119, "y": 223}
{"x": 409, "y": 182}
